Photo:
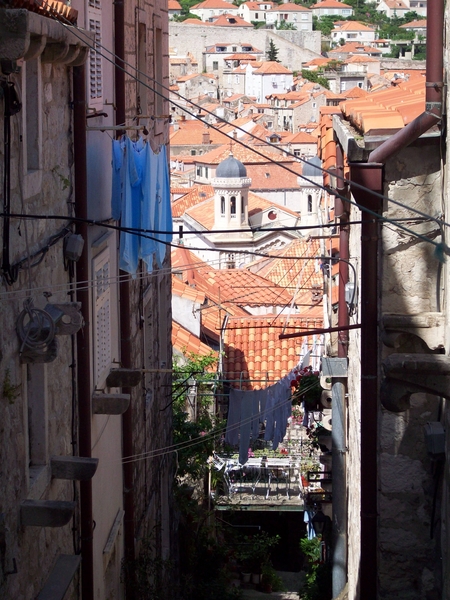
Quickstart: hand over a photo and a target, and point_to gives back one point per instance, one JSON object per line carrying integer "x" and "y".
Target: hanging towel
{"x": 234, "y": 418}
{"x": 246, "y": 425}
{"x": 163, "y": 220}
{"x": 116, "y": 196}
{"x": 131, "y": 202}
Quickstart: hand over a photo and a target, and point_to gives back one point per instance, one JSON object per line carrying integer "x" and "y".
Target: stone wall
{"x": 295, "y": 47}
{"x": 35, "y": 549}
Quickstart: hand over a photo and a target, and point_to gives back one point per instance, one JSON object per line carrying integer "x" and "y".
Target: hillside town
{"x": 224, "y": 317}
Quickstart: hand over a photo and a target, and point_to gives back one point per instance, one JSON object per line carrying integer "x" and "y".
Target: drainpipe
{"x": 371, "y": 177}
{"x": 125, "y": 325}
{"x": 83, "y": 336}
{"x": 338, "y": 371}
{"x": 434, "y": 89}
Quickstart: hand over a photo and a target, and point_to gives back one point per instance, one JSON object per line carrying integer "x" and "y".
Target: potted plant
{"x": 306, "y": 388}
{"x": 258, "y": 552}
{"x": 270, "y": 581}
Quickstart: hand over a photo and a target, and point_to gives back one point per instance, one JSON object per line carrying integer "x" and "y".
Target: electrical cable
{"x": 441, "y": 247}
{"x": 195, "y": 441}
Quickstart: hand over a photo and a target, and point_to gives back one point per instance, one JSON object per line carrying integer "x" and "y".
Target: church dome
{"x": 312, "y": 167}
{"x": 231, "y": 167}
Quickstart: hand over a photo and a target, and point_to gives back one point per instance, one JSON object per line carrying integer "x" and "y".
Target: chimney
{"x": 206, "y": 138}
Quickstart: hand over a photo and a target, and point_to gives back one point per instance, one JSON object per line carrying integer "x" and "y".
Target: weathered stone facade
{"x": 40, "y": 401}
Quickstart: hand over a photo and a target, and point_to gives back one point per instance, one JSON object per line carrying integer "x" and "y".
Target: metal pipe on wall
{"x": 124, "y": 295}
{"x": 84, "y": 335}
{"x": 371, "y": 177}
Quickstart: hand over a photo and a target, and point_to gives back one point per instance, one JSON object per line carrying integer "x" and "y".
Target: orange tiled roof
{"x": 253, "y": 350}
{"x": 213, "y": 4}
{"x": 271, "y": 67}
{"x": 256, "y": 5}
{"x": 272, "y": 176}
{"x": 353, "y": 26}
{"x": 174, "y": 5}
{"x": 193, "y": 21}
{"x": 48, "y": 9}
{"x": 288, "y": 273}
{"x": 290, "y": 7}
{"x": 355, "y": 48}
{"x": 396, "y": 4}
{"x": 330, "y": 4}
{"x": 190, "y": 132}
{"x": 355, "y": 92}
{"x": 420, "y": 24}
{"x": 193, "y": 196}
{"x": 357, "y": 58}
{"x": 186, "y": 342}
{"x": 300, "y": 138}
{"x": 227, "y": 20}
{"x": 183, "y": 290}
{"x": 387, "y": 110}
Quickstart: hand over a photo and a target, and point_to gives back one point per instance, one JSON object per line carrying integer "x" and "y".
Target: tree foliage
{"x": 315, "y": 77}
{"x": 195, "y": 438}
{"x": 272, "y": 53}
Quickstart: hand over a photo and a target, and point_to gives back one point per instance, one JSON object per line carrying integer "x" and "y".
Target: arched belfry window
{"x": 222, "y": 205}
{"x": 233, "y": 206}
{"x": 242, "y": 207}
{"x": 310, "y": 208}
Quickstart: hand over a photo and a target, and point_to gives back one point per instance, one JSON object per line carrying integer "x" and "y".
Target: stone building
{"x": 73, "y": 513}
{"x": 393, "y": 474}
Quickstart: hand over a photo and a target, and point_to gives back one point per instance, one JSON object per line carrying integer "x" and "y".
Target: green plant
{"x": 272, "y": 53}
{"x": 65, "y": 182}
{"x": 10, "y": 391}
{"x": 255, "y": 551}
{"x": 192, "y": 458}
{"x": 317, "y": 584}
{"x": 270, "y": 578}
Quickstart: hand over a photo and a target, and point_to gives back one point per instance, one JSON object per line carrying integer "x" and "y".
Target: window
{"x": 222, "y": 206}
{"x": 193, "y": 152}
{"x": 199, "y": 171}
{"x": 102, "y": 315}
{"x": 142, "y": 99}
{"x": 95, "y": 59}
{"x": 236, "y": 79}
{"x": 206, "y": 172}
{"x": 37, "y": 415}
{"x": 310, "y": 203}
{"x": 234, "y": 48}
{"x": 33, "y": 121}
{"x": 304, "y": 17}
{"x": 158, "y": 70}
{"x": 233, "y": 207}
{"x": 215, "y": 65}
{"x": 256, "y": 16}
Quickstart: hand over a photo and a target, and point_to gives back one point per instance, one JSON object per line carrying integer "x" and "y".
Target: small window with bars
{"x": 102, "y": 314}
{"x": 95, "y": 59}
{"x": 95, "y": 62}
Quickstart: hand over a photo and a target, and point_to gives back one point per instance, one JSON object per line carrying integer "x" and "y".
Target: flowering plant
{"x": 306, "y": 388}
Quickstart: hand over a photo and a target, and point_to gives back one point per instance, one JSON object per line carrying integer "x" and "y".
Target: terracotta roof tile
{"x": 227, "y": 20}
{"x": 353, "y": 26}
{"x": 253, "y": 350}
{"x": 330, "y": 4}
{"x": 186, "y": 342}
{"x": 193, "y": 196}
{"x": 181, "y": 289}
{"x": 290, "y": 7}
{"x": 272, "y": 67}
{"x": 420, "y": 24}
